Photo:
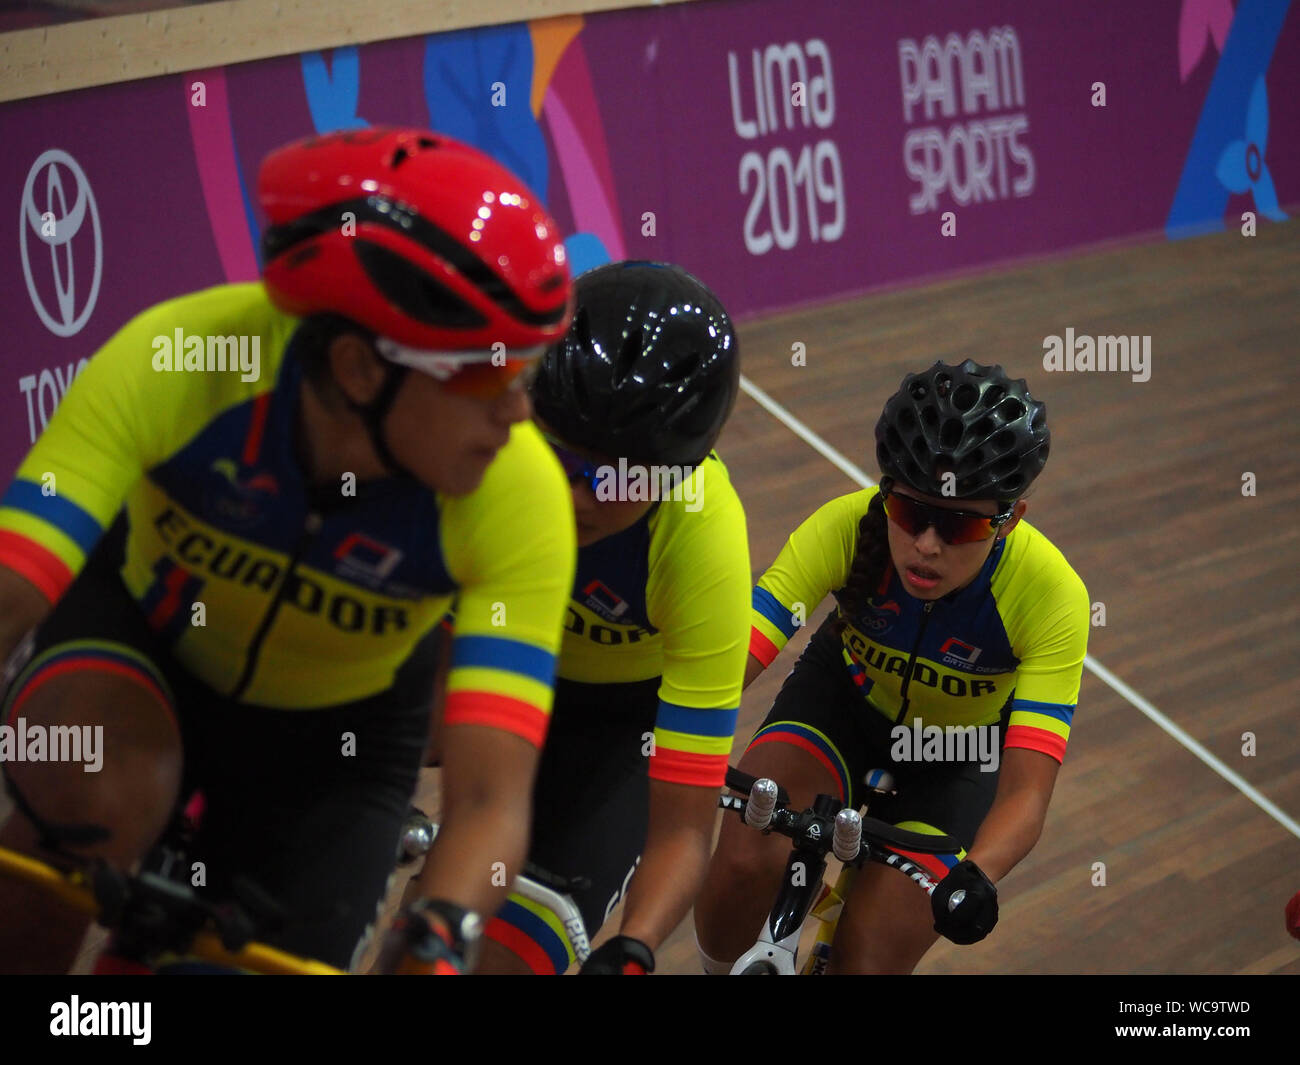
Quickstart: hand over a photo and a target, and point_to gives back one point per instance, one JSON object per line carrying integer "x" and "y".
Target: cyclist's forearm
{"x": 487, "y": 782}
{"x": 674, "y": 861}
{"x": 22, "y": 607}
{"x": 477, "y": 854}
{"x": 1015, "y": 821}
{"x": 1009, "y": 832}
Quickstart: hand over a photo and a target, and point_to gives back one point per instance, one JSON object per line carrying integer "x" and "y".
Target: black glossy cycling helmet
{"x": 971, "y": 420}
{"x": 649, "y": 368}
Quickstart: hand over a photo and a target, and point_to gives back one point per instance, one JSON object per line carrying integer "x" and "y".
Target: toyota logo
{"x": 55, "y": 223}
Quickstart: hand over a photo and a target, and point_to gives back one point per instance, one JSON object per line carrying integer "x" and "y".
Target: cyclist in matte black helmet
{"x": 952, "y": 611}
{"x": 632, "y": 400}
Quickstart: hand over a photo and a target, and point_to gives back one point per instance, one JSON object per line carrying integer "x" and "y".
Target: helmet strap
{"x": 374, "y": 413}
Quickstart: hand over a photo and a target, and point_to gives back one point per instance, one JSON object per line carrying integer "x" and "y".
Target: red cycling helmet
{"x": 423, "y": 240}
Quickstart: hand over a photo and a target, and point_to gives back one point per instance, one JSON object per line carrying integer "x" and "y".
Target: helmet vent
{"x": 1005, "y": 467}
{"x": 1004, "y": 441}
{"x": 683, "y": 369}
{"x": 919, "y": 390}
{"x": 965, "y": 397}
{"x": 414, "y": 291}
{"x": 993, "y": 396}
{"x": 950, "y": 435}
{"x": 1011, "y": 410}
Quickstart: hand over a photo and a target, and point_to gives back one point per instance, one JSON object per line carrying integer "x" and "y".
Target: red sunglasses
{"x": 954, "y": 527}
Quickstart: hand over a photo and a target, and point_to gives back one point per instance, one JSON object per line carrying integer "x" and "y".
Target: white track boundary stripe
{"x": 823, "y": 448}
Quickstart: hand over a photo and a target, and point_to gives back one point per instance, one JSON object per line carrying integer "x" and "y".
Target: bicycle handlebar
{"x": 815, "y": 829}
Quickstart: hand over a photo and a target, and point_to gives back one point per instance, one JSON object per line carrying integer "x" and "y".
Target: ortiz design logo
{"x": 359, "y": 553}
{"x": 601, "y": 600}
{"x": 955, "y": 650}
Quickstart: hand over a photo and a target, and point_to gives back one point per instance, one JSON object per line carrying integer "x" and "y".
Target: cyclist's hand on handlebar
{"x": 621, "y": 956}
{"x": 973, "y": 915}
{"x": 431, "y": 938}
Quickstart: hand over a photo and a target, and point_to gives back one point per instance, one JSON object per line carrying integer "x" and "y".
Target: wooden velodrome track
{"x": 1143, "y": 494}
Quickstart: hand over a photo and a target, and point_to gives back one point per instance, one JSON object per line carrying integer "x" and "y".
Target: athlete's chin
{"x": 464, "y": 479}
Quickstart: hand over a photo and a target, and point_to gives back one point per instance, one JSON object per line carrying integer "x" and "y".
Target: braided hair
{"x": 870, "y": 563}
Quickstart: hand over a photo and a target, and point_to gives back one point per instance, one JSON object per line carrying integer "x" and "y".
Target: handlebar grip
{"x": 848, "y": 834}
{"x": 762, "y": 801}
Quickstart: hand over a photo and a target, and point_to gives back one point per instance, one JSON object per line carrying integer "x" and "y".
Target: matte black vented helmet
{"x": 648, "y": 370}
{"x": 971, "y": 420}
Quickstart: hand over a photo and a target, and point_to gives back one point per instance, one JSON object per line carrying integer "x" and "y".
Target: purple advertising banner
{"x": 785, "y": 153}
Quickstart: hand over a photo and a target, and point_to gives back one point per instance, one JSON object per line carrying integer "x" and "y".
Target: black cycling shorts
{"x": 820, "y": 711}
{"x": 307, "y": 804}
{"x": 591, "y": 805}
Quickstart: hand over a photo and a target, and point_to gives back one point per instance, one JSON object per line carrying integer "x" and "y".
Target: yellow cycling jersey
{"x": 270, "y": 589}
{"x": 669, "y": 597}
{"x": 1018, "y": 631}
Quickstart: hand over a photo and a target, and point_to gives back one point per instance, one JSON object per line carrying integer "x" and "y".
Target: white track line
{"x": 822, "y": 448}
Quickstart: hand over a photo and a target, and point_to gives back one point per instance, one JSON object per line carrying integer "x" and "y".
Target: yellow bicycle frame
{"x": 73, "y": 889}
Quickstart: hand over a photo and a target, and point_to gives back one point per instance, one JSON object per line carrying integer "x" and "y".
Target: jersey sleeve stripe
{"x": 685, "y": 741}
{"x": 762, "y": 648}
{"x": 524, "y": 932}
{"x": 78, "y": 524}
{"x": 510, "y": 656}
{"x": 766, "y": 604}
{"x": 696, "y": 721}
{"x": 1043, "y": 722}
{"x": 1059, "y": 711}
{"x": 496, "y": 711}
{"x": 1036, "y": 739}
{"x": 688, "y": 767}
{"x": 29, "y": 559}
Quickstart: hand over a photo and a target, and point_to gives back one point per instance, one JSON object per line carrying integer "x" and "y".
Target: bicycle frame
{"x": 778, "y": 944}
{"x": 74, "y": 890}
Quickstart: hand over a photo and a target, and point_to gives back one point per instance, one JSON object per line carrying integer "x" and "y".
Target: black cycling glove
{"x": 975, "y": 912}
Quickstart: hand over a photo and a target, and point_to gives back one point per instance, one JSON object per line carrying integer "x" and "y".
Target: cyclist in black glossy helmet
{"x": 633, "y": 399}
{"x": 953, "y": 660}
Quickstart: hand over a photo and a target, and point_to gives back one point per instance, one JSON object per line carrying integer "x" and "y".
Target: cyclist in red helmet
{"x": 244, "y": 519}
